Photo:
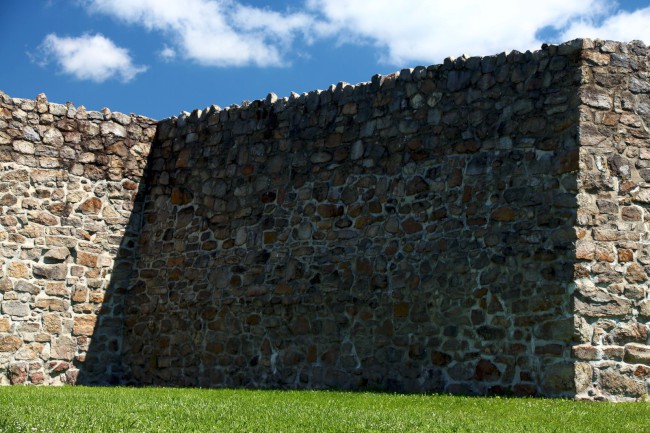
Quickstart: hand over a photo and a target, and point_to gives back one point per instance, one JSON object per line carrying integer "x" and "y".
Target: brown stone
{"x": 486, "y": 371}
{"x": 283, "y": 288}
{"x": 56, "y": 288}
{"x": 84, "y": 325}
{"x": 57, "y": 254}
{"x": 583, "y": 376}
{"x": 401, "y": 309}
{"x": 504, "y": 214}
{"x": 627, "y": 333}
{"x": 10, "y": 343}
{"x": 22, "y": 286}
{"x": 410, "y": 226}
{"x": 86, "y": 259}
{"x": 605, "y": 254}
{"x": 591, "y": 301}
{"x": 416, "y": 186}
{"x": 58, "y": 366}
{"x": 637, "y": 354}
{"x": 614, "y": 352}
{"x": 585, "y": 352}
{"x": 616, "y": 383}
{"x": 329, "y": 210}
{"x": 18, "y": 270}
{"x": 42, "y": 217}
{"x": 625, "y": 255}
{"x": 63, "y": 348}
{"x": 635, "y": 273}
{"x": 52, "y": 304}
{"x": 5, "y": 325}
{"x": 585, "y": 250}
{"x": 50, "y": 272}
{"x": 5, "y": 284}
{"x": 631, "y": 213}
{"x": 440, "y": 358}
{"x": 180, "y": 196}
{"x": 97, "y": 296}
{"x": 18, "y": 373}
{"x": 270, "y": 237}
{"x": 37, "y": 377}
{"x": 29, "y": 352}
{"x": 642, "y": 372}
{"x": 52, "y": 324}
{"x": 92, "y": 206}
{"x": 129, "y": 185}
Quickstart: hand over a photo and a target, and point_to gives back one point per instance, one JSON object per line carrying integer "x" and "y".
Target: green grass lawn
{"x": 79, "y": 409}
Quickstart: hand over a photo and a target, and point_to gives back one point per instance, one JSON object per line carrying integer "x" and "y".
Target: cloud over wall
{"x": 88, "y": 57}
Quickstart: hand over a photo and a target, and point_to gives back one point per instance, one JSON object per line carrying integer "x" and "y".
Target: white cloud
{"x": 89, "y": 57}
{"x": 229, "y": 33}
{"x": 429, "y": 31}
{"x": 213, "y": 32}
{"x": 622, "y": 26}
{"x": 167, "y": 53}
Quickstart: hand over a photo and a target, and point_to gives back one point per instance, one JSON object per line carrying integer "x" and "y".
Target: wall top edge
{"x": 336, "y": 91}
{"x": 341, "y": 90}
{"x": 69, "y": 110}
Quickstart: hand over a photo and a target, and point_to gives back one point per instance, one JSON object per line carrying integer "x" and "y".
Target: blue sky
{"x": 160, "y": 57}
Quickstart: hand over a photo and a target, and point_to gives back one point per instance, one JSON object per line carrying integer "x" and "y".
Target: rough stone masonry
{"x": 480, "y": 226}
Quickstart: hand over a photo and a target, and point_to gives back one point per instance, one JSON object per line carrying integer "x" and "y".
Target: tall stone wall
{"x": 480, "y": 226}
{"x": 68, "y": 183}
{"x": 410, "y": 233}
{"x": 612, "y": 303}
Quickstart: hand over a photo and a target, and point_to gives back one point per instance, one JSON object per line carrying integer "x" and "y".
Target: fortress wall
{"x": 68, "y": 183}
{"x": 480, "y": 226}
{"x": 411, "y": 233}
{"x": 612, "y": 302}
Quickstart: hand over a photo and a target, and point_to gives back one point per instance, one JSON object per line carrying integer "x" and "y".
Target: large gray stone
{"x": 15, "y": 308}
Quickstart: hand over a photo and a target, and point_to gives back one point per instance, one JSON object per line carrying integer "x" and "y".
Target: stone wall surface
{"x": 410, "y": 233}
{"x": 480, "y": 226}
{"x": 612, "y": 303}
{"x": 68, "y": 183}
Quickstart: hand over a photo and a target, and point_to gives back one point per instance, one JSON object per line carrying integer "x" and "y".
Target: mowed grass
{"x": 80, "y": 409}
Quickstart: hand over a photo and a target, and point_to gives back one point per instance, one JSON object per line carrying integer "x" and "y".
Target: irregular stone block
{"x": 84, "y": 325}
{"x": 18, "y": 373}
{"x": 615, "y": 382}
{"x": 15, "y": 308}
{"x": 637, "y": 354}
{"x": 18, "y": 270}
{"x": 50, "y": 272}
{"x": 558, "y": 379}
{"x": 5, "y": 325}
{"x": 583, "y": 376}
{"x": 112, "y": 128}
{"x": 63, "y": 348}
{"x": 627, "y": 333}
{"x": 10, "y": 343}
{"x": 92, "y": 206}
{"x": 591, "y": 301}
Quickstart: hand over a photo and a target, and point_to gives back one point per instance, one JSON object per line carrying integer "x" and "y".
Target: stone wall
{"x": 68, "y": 182}
{"x": 612, "y": 304}
{"x": 411, "y": 233}
{"x": 480, "y": 226}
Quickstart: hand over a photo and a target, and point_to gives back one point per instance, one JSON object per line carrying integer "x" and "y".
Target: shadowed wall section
{"x": 411, "y": 233}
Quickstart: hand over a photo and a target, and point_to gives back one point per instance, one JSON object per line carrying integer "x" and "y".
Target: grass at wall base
{"x": 80, "y": 409}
